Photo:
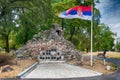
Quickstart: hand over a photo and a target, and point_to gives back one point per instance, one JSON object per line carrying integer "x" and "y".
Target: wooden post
{"x": 62, "y": 23}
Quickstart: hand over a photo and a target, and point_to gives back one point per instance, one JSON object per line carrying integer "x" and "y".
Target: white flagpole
{"x": 91, "y": 55}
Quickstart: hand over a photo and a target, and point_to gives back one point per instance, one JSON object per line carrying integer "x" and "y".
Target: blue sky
{"x": 110, "y": 14}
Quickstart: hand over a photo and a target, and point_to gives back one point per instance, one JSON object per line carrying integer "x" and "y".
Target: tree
{"x": 76, "y": 30}
{"x": 103, "y": 39}
{"x": 20, "y": 13}
{"x": 30, "y": 25}
{"x": 118, "y": 46}
{"x": 6, "y": 21}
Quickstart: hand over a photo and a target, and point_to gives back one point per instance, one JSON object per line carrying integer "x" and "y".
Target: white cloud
{"x": 116, "y": 29}
{"x": 117, "y": 26}
{"x": 110, "y": 14}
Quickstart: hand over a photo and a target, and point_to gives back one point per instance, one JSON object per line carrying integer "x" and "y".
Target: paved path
{"x": 113, "y": 76}
{"x": 60, "y": 70}
{"x": 115, "y": 61}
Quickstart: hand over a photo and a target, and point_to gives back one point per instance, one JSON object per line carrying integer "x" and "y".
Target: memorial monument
{"x": 49, "y": 45}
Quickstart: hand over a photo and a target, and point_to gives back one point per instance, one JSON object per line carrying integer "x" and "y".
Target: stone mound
{"x": 49, "y": 40}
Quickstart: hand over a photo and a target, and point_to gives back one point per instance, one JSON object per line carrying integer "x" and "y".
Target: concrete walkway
{"x": 60, "y": 70}
{"x": 113, "y": 76}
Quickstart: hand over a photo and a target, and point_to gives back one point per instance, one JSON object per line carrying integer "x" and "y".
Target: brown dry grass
{"x": 113, "y": 55}
{"x": 22, "y": 65}
{"x": 109, "y": 54}
{"x": 99, "y": 66}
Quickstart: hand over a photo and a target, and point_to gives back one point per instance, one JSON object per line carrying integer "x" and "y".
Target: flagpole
{"x": 91, "y": 55}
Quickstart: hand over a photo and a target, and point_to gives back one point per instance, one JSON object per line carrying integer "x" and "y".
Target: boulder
{"x": 5, "y": 68}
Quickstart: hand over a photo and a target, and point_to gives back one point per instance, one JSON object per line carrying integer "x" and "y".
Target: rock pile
{"x": 49, "y": 40}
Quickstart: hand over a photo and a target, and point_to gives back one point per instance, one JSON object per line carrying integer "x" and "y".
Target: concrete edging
{"x": 26, "y": 71}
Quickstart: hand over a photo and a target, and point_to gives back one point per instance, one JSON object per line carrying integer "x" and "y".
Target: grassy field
{"x": 109, "y": 54}
{"x": 113, "y": 55}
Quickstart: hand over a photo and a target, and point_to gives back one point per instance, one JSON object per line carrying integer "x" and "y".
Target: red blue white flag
{"x": 82, "y": 12}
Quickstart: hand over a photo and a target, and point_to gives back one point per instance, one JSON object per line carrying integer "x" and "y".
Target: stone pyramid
{"x": 47, "y": 41}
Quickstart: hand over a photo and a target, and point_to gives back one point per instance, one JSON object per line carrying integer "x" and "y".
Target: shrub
{"x": 5, "y": 59}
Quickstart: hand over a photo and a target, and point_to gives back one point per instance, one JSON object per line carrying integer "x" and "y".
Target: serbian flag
{"x": 82, "y": 12}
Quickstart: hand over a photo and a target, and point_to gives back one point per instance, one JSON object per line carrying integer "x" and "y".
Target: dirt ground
{"x": 98, "y": 66}
{"x": 21, "y": 65}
